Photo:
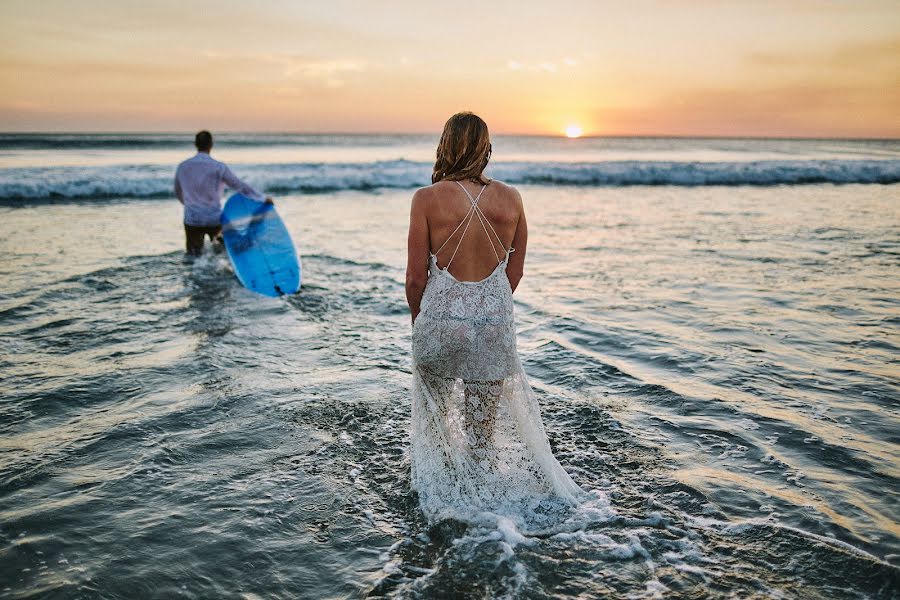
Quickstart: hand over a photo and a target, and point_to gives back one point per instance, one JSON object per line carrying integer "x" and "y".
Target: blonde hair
{"x": 464, "y": 149}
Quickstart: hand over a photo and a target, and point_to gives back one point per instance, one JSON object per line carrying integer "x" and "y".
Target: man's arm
{"x": 234, "y": 183}
{"x": 179, "y": 193}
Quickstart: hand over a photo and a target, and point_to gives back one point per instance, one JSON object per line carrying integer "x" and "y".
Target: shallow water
{"x": 718, "y": 363}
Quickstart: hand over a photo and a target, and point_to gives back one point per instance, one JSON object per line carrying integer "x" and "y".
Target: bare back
{"x": 477, "y": 249}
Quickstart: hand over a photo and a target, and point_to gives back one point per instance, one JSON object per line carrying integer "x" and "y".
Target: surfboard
{"x": 260, "y": 247}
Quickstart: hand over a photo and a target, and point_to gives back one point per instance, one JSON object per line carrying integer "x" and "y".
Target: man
{"x": 199, "y": 182}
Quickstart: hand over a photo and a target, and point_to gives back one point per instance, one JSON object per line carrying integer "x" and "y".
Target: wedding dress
{"x": 477, "y": 441}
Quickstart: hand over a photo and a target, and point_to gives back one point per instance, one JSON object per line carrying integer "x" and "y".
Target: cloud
{"x": 327, "y": 71}
{"x": 859, "y": 55}
{"x": 798, "y": 108}
{"x": 542, "y": 66}
{"x": 846, "y": 90}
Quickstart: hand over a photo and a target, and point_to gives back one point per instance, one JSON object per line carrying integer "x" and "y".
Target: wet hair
{"x": 203, "y": 141}
{"x": 464, "y": 150}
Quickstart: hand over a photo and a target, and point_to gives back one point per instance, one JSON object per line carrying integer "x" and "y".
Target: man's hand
{"x": 269, "y": 201}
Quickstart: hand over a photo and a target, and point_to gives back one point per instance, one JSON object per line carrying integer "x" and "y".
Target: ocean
{"x": 712, "y": 327}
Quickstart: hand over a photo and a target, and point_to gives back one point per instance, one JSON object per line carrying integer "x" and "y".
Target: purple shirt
{"x": 199, "y": 182}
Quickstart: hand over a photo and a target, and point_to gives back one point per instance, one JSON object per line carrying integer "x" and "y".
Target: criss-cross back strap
{"x": 466, "y": 220}
{"x": 485, "y": 224}
{"x": 474, "y": 211}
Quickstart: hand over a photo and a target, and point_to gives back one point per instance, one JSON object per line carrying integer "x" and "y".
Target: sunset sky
{"x": 701, "y": 67}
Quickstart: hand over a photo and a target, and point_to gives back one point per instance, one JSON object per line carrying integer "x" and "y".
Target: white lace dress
{"x": 477, "y": 441}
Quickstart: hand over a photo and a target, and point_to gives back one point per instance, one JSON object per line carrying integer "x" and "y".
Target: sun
{"x": 573, "y": 131}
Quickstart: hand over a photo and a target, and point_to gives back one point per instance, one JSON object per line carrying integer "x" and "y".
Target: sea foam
{"x": 155, "y": 181}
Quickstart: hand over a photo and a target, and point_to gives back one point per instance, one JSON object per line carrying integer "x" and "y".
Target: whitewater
{"x": 141, "y": 166}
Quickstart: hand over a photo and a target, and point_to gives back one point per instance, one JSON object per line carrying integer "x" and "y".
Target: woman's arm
{"x": 418, "y": 247}
{"x": 515, "y": 268}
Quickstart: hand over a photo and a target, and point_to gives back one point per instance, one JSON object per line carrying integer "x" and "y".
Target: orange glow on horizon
{"x": 319, "y": 68}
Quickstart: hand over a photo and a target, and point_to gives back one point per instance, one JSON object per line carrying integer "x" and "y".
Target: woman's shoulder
{"x": 508, "y": 196}
{"x": 505, "y": 189}
{"x": 425, "y": 195}
{"x": 499, "y": 190}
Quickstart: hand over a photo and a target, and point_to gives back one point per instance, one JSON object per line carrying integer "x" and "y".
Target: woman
{"x": 478, "y": 443}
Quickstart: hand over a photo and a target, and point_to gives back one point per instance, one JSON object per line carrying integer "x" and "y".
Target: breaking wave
{"x": 155, "y": 181}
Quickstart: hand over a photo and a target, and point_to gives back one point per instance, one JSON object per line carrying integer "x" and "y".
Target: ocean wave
{"x": 759, "y": 173}
{"x": 155, "y": 181}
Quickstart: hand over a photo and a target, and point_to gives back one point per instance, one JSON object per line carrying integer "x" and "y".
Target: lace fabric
{"x": 477, "y": 442}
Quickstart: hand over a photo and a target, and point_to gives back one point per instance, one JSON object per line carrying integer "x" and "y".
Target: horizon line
{"x": 437, "y": 133}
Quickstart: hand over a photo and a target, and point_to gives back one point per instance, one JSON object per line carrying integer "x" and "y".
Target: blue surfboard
{"x": 260, "y": 247}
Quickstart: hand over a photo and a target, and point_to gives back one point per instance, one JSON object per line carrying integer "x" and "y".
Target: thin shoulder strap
{"x": 465, "y": 221}
{"x": 471, "y": 199}
{"x": 450, "y": 237}
{"x": 474, "y": 211}
{"x": 485, "y": 222}
{"x": 459, "y": 243}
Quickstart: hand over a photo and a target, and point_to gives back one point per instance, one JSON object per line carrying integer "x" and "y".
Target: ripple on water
{"x": 165, "y": 432}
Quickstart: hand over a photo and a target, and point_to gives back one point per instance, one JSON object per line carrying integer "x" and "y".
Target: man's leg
{"x": 194, "y": 239}
{"x": 215, "y": 236}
